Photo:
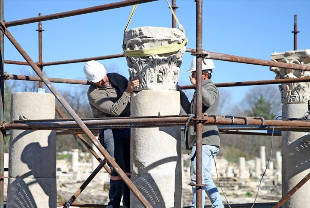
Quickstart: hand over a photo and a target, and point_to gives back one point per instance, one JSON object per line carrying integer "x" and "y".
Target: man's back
{"x": 111, "y": 100}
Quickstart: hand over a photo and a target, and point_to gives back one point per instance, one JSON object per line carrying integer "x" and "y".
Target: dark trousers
{"x": 119, "y": 148}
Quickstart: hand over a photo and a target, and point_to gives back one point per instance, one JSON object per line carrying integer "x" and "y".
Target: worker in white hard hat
{"x": 210, "y": 135}
{"x": 109, "y": 96}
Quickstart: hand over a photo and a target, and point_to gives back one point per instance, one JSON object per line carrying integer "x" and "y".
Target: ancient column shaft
{"x": 156, "y": 151}
{"x": 295, "y": 145}
{"x": 32, "y": 160}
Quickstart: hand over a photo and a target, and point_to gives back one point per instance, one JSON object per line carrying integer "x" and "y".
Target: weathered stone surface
{"x": 157, "y": 71}
{"x": 156, "y": 152}
{"x": 295, "y": 145}
{"x": 32, "y": 156}
{"x": 295, "y": 159}
{"x": 293, "y": 92}
{"x": 150, "y": 37}
{"x": 32, "y": 192}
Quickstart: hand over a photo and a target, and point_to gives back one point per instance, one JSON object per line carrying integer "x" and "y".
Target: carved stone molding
{"x": 155, "y": 71}
{"x": 293, "y": 92}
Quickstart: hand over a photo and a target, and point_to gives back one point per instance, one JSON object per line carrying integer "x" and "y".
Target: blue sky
{"x": 246, "y": 28}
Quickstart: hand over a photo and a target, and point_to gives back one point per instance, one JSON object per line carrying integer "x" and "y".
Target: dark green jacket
{"x": 210, "y": 102}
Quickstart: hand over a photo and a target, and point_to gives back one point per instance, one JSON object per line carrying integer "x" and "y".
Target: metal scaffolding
{"x": 88, "y": 126}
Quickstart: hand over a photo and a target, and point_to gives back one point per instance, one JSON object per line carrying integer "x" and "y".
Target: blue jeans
{"x": 208, "y": 153}
{"x": 119, "y": 148}
{"x": 107, "y": 142}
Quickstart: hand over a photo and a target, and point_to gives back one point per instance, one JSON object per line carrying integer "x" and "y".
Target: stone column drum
{"x": 263, "y": 157}
{"x": 32, "y": 160}
{"x": 156, "y": 151}
{"x": 295, "y": 145}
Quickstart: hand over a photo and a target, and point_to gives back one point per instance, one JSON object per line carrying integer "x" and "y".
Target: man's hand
{"x": 132, "y": 83}
{"x": 179, "y": 88}
{"x": 193, "y": 80}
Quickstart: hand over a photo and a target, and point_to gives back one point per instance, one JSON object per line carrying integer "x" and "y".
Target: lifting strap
{"x": 159, "y": 49}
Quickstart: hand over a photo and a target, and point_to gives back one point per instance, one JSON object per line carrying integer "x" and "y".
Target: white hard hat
{"x": 94, "y": 71}
{"x": 209, "y": 65}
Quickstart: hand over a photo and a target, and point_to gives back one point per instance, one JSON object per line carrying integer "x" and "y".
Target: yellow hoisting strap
{"x": 156, "y": 50}
{"x": 131, "y": 15}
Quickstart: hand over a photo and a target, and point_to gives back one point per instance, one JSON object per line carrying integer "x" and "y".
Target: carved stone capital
{"x": 159, "y": 71}
{"x": 293, "y": 92}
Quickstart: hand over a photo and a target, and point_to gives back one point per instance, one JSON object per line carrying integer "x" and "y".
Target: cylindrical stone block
{"x": 229, "y": 172}
{"x": 258, "y": 167}
{"x": 156, "y": 151}
{"x": 32, "y": 156}
{"x": 75, "y": 158}
{"x": 277, "y": 178}
{"x": 295, "y": 161}
{"x": 263, "y": 157}
{"x": 278, "y": 161}
{"x": 242, "y": 167}
{"x": 270, "y": 166}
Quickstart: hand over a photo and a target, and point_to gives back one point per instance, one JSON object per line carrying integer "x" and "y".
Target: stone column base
{"x": 156, "y": 152}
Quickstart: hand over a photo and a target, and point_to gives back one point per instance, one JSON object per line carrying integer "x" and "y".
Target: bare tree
{"x": 269, "y": 93}
{"x": 76, "y": 97}
{"x": 25, "y": 86}
{"x": 225, "y": 101}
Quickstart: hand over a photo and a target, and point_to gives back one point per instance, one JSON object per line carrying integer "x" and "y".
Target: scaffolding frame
{"x": 86, "y": 126}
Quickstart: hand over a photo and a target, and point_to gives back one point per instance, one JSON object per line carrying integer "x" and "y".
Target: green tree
{"x": 262, "y": 108}
{"x": 261, "y": 101}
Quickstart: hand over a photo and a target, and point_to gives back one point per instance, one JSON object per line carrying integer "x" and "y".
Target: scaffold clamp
{"x": 2, "y": 128}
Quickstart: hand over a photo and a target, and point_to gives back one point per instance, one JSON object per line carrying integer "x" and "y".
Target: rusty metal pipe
{"x": 249, "y": 83}
{"x": 249, "y": 133}
{"x": 77, "y": 12}
{"x": 40, "y": 30}
{"x": 245, "y": 60}
{"x": 83, "y": 60}
{"x": 150, "y": 122}
{"x": 282, "y": 128}
{"x": 55, "y": 80}
{"x": 224, "y": 57}
{"x": 227, "y": 84}
{"x": 84, "y": 185}
{"x": 291, "y": 192}
{"x": 174, "y": 8}
{"x": 85, "y": 142}
{"x": 16, "y": 62}
{"x": 67, "y": 61}
{"x": 199, "y": 126}
{"x": 103, "y": 151}
{"x": 295, "y": 32}
{"x": 66, "y": 131}
{"x": 1, "y": 107}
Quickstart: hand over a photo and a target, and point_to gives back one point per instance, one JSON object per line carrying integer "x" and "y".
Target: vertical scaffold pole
{"x": 40, "y": 30}
{"x": 174, "y": 8}
{"x": 295, "y": 32}
{"x": 1, "y": 110}
{"x": 199, "y": 126}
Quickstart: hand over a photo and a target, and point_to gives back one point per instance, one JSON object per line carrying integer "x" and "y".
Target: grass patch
{"x": 62, "y": 157}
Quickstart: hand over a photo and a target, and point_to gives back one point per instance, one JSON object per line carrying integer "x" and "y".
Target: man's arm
{"x": 103, "y": 103}
{"x": 209, "y": 95}
{"x": 185, "y": 104}
{"x": 101, "y": 100}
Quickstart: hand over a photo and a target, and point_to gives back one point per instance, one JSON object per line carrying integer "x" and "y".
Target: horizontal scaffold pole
{"x": 245, "y": 60}
{"x": 76, "y": 12}
{"x": 152, "y": 121}
{"x": 229, "y": 84}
